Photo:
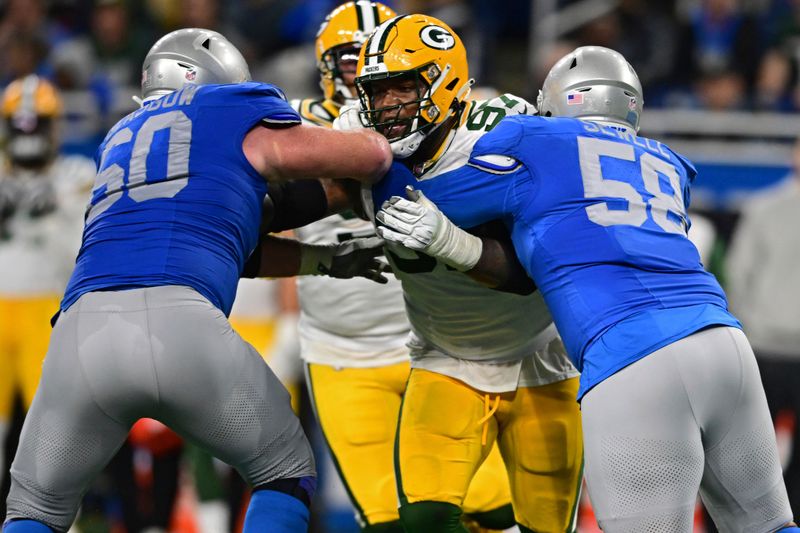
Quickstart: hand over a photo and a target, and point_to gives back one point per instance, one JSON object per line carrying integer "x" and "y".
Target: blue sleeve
{"x": 266, "y": 102}
{"x": 469, "y": 195}
{"x": 484, "y": 189}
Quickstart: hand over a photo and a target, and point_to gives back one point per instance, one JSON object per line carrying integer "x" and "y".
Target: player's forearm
{"x": 309, "y": 152}
{"x": 500, "y": 269}
{"x": 276, "y": 258}
{"x": 293, "y": 204}
{"x": 362, "y": 155}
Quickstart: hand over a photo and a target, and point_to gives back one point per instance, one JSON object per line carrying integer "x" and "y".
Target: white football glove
{"x": 349, "y": 118}
{"x": 419, "y": 225}
{"x": 345, "y": 260}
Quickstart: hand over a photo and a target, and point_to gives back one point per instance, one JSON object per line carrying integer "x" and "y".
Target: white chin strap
{"x": 405, "y": 147}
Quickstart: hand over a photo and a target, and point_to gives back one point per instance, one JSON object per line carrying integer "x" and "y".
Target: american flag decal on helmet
{"x": 574, "y": 99}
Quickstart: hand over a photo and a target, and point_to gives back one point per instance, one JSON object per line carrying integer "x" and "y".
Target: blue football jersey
{"x": 598, "y": 218}
{"x": 175, "y": 200}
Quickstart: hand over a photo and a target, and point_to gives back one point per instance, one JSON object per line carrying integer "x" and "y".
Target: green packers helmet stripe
{"x": 376, "y": 13}
{"x": 377, "y": 42}
{"x": 367, "y": 13}
{"x": 360, "y": 7}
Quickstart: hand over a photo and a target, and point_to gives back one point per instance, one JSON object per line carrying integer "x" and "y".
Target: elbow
{"x": 380, "y": 157}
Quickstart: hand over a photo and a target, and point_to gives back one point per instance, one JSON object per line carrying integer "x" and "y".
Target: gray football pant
{"x": 164, "y": 353}
{"x": 690, "y": 416}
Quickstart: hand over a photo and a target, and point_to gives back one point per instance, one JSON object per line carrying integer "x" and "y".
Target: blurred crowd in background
{"x": 713, "y": 54}
{"x": 721, "y": 82}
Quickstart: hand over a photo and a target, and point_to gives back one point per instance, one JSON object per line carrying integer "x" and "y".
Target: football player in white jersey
{"x": 353, "y": 332}
{"x": 486, "y": 365}
{"x": 42, "y": 197}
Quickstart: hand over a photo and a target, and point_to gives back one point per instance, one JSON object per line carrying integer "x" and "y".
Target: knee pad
{"x": 302, "y": 488}
{"x": 25, "y": 526}
{"x": 431, "y": 517}
{"x": 279, "y": 509}
{"x": 500, "y": 518}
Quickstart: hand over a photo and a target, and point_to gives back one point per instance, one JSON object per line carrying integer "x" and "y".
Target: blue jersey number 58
{"x": 595, "y": 185}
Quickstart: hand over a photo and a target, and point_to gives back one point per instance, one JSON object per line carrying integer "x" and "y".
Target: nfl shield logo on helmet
{"x": 191, "y": 74}
{"x": 574, "y": 99}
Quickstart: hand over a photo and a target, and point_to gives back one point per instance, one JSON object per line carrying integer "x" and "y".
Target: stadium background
{"x": 720, "y": 81}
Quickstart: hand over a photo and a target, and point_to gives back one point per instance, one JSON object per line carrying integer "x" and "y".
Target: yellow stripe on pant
{"x": 538, "y": 431}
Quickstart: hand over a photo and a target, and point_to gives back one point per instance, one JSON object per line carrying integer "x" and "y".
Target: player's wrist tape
{"x": 454, "y": 246}
{"x": 315, "y": 259}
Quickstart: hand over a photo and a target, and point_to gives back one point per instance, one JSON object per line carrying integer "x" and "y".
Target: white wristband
{"x": 455, "y": 247}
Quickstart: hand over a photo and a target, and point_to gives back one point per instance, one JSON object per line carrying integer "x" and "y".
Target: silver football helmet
{"x": 593, "y": 83}
{"x": 191, "y": 55}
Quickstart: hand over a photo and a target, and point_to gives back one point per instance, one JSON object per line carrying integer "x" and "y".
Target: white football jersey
{"x": 38, "y": 247}
{"x": 491, "y": 340}
{"x": 256, "y": 299}
{"x": 346, "y": 322}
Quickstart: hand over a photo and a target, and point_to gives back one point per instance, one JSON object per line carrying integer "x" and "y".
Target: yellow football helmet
{"x": 30, "y": 107}
{"x": 339, "y": 39}
{"x": 427, "y": 50}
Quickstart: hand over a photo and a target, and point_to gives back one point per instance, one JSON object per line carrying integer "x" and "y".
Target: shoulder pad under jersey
{"x": 316, "y": 112}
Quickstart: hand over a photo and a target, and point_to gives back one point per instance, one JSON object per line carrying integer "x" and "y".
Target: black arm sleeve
{"x": 253, "y": 264}
{"x": 293, "y": 204}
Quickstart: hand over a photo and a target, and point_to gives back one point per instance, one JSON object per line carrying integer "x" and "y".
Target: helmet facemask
{"x": 31, "y": 107}
{"x": 31, "y": 141}
{"x": 334, "y": 65}
{"x": 425, "y": 52}
{"x": 406, "y": 133}
{"x": 339, "y": 41}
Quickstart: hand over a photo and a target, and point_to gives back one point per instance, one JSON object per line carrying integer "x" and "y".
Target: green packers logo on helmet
{"x": 437, "y": 37}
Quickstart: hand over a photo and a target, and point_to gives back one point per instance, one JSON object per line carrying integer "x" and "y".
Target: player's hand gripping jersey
{"x": 459, "y": 325}
{"x": 590, "y": 209}
{"x": 178, "y": 158}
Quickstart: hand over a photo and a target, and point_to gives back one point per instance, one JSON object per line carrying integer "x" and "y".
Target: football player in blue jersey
{"x": 671, "y": 398}
{"x": 143, "y": 332}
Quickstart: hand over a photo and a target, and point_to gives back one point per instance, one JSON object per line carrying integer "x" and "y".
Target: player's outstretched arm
{"x": 293, "y": 204}
{"x": 301, "y": 152}
{"x": 418, "y": 224}
{"x": 277, "y": 257}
